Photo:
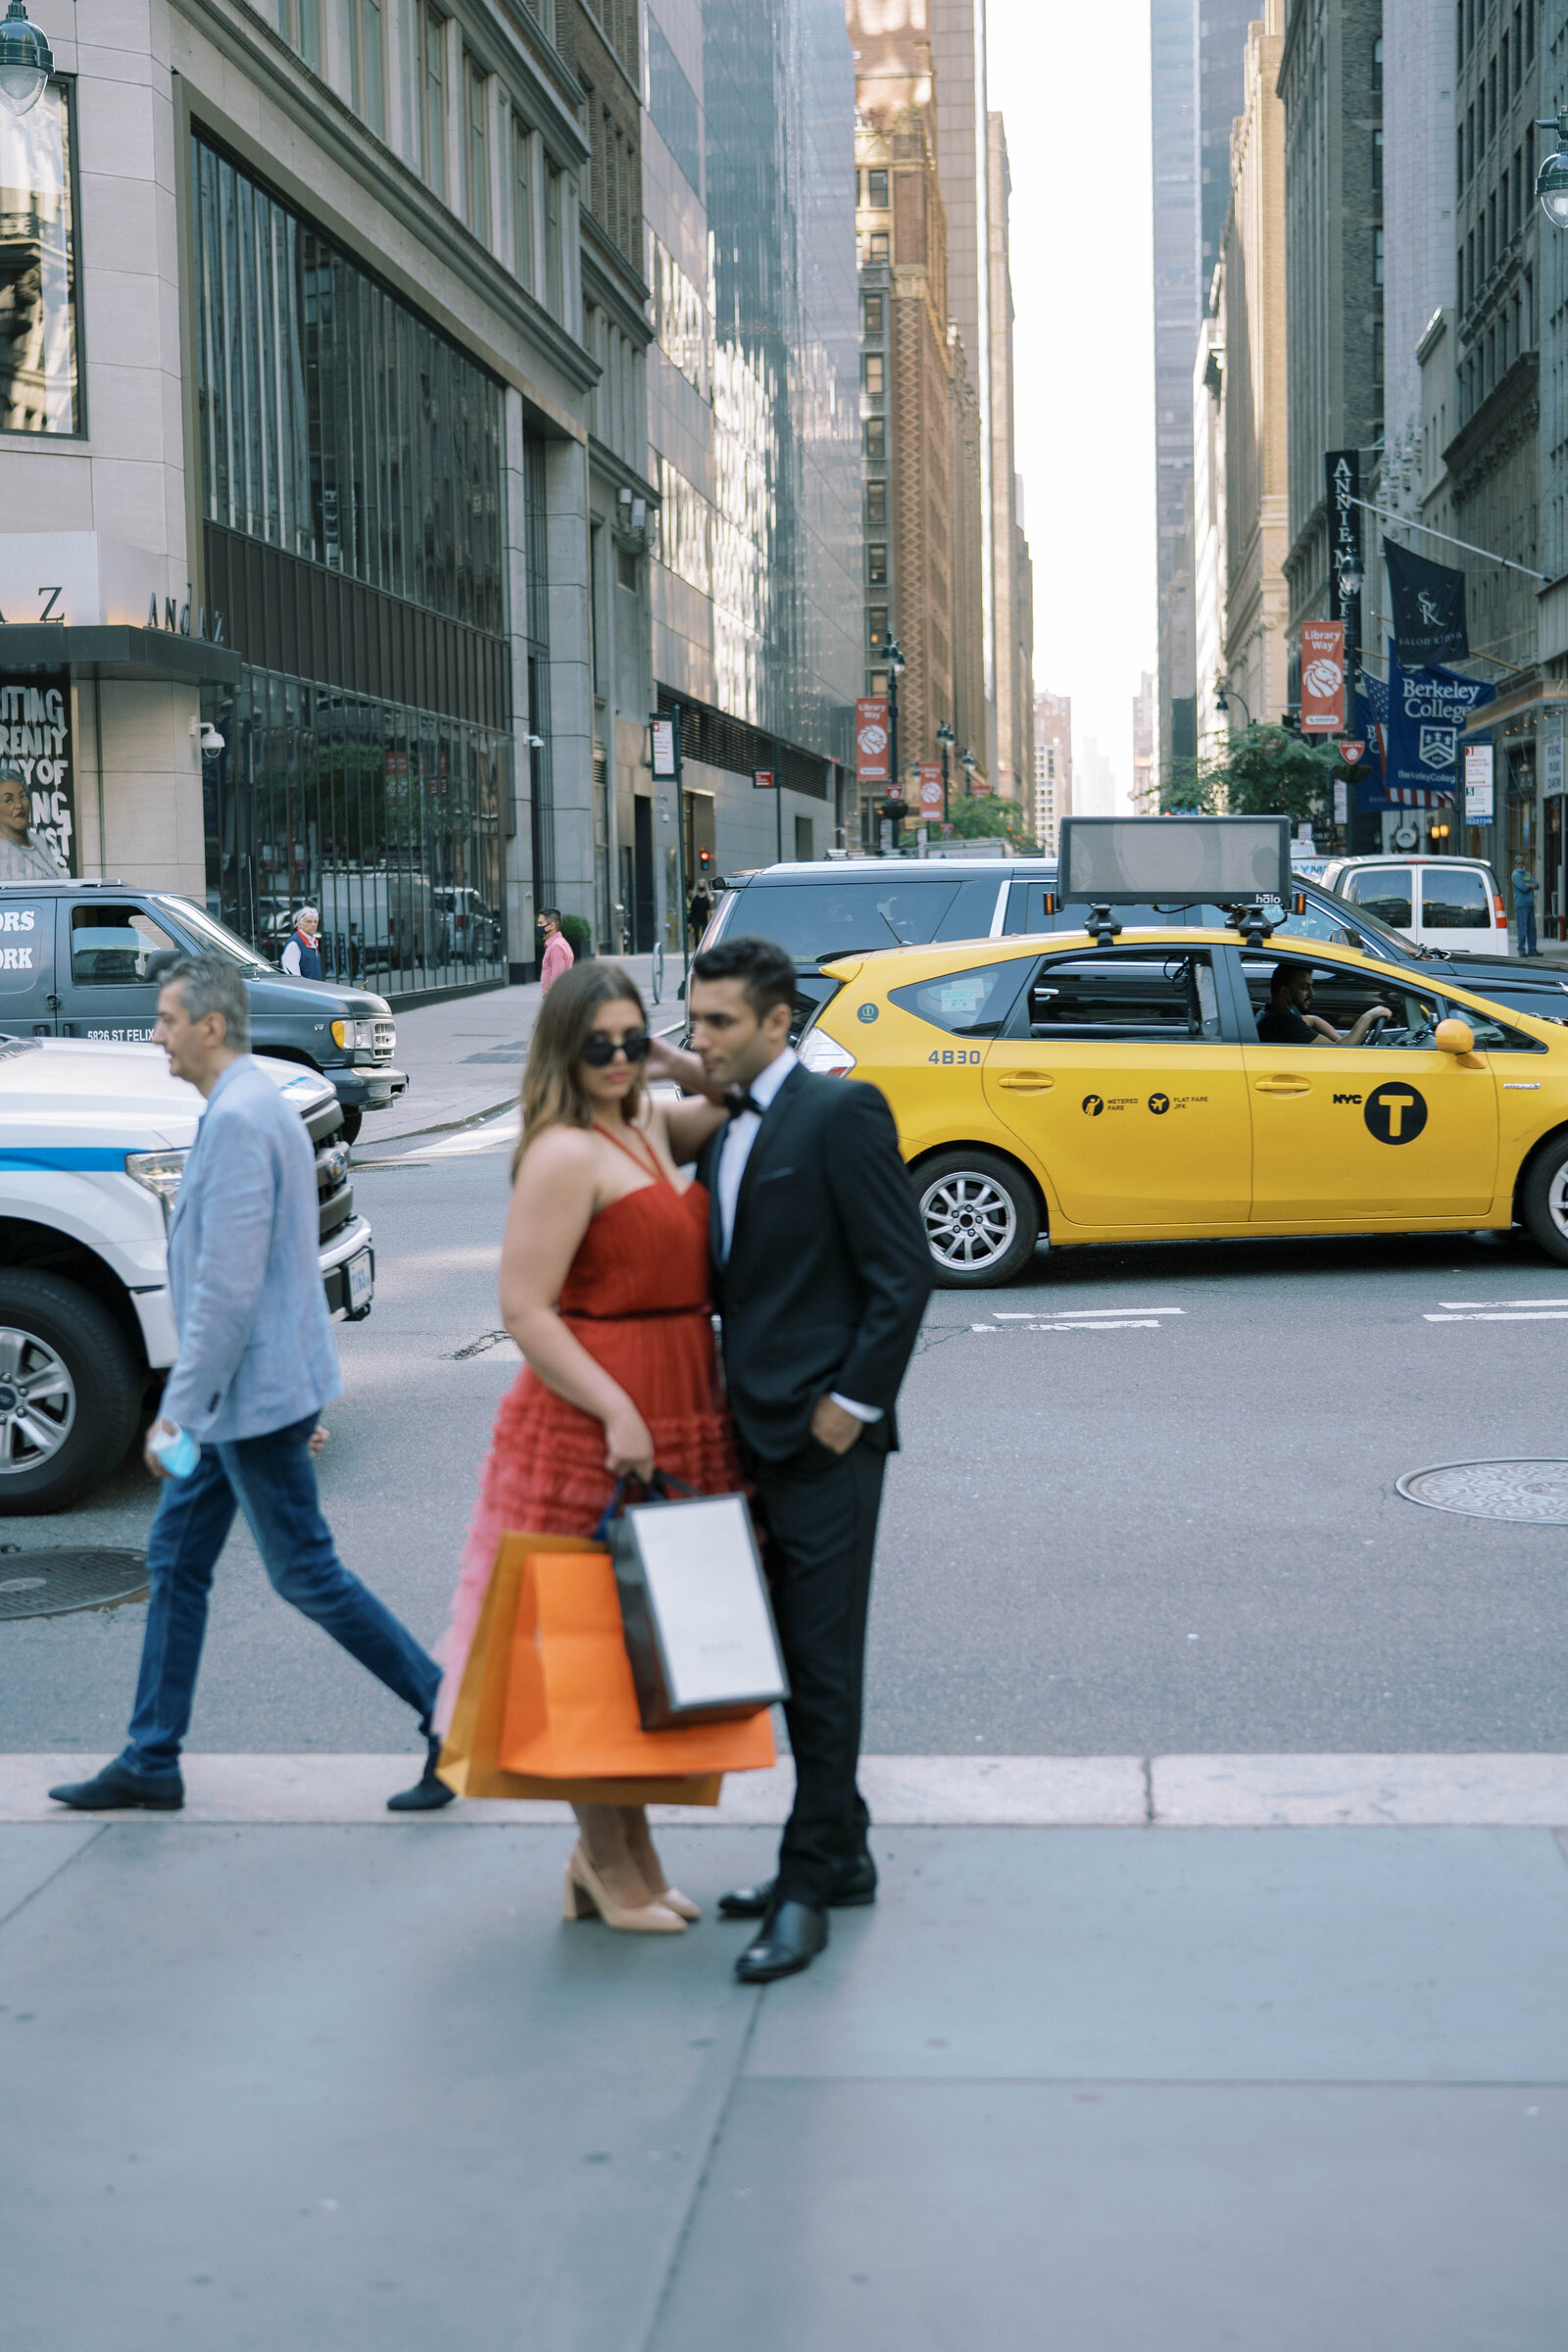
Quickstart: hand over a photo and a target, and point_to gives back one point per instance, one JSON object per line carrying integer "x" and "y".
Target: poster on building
{"x": 871, "y": 742}
{"x": 664, "y": 734}
{"x": 1323, "y": 677}
{"x": 37, "y": 778}
{"x": 1478, "y": 783}
{"x": 930, "y": 789}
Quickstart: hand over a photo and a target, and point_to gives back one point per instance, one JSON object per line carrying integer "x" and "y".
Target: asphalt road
{"x": 1169, "y": 1527}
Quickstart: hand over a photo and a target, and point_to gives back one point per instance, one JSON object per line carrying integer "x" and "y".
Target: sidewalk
{"x": 304, "y": 2074}
{"x": 465, "y": 1057}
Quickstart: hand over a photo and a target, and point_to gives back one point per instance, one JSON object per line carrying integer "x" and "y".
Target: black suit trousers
{"x": 819, "y": 1511}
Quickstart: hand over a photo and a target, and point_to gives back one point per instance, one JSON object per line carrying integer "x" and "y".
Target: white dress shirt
{"x": 735, "y": 1152}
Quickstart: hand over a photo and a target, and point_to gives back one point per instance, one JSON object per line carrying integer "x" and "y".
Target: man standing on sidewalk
{"x": 558, "y": 956}
{"x": 255, "y": 1364}
{"x": 1524, "y": 907}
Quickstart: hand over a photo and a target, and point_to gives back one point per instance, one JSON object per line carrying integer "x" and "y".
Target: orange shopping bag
{"x": 547, "y": 1707}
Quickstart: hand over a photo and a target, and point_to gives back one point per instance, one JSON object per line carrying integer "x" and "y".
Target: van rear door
{"x": 1454, "y": 913}
{"x": 27, "y": 999}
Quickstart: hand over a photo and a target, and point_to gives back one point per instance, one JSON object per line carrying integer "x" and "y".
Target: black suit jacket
{"x": 828, "y": 1271}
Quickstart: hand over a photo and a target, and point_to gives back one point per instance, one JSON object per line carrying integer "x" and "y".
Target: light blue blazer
{"x": 256, "y": 1346}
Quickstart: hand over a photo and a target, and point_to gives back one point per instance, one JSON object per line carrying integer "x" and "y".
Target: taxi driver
{"x": 1288, "y": 1019}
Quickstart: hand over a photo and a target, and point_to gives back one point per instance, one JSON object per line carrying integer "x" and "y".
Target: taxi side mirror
{"x": 1455, "y": 1036}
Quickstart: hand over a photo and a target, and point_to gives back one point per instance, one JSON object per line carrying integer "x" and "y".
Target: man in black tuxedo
{"x": 822, "y": 1274}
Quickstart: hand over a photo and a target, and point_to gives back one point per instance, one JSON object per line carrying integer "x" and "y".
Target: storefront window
{"x": 387, "y": 820}
{"x": 39, "y": 367}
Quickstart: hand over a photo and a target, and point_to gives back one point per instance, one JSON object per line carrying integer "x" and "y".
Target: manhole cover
{"x": 48, "y": 1584}
{"x": 1535, "y": 1494}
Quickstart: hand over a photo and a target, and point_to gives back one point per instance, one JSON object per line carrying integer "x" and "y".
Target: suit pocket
{"x": 773, "y": 1176}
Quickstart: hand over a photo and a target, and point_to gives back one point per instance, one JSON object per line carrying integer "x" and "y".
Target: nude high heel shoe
{"x": 587, "y": 1894}
{"x": 682, "y": 1905}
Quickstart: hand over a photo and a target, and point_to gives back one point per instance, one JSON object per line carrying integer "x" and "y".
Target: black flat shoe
{"x": 856, "y": 1887}
{"x": 790, "y": 1940}
{"x": 115, "y": 1789}
{"x": 429, "y": 1792}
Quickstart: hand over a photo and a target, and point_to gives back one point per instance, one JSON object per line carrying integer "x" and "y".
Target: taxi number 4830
{"x": 952, "y": 1054}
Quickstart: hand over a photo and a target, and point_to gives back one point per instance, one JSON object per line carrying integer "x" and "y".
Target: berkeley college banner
{"x": 1416, "y": 720}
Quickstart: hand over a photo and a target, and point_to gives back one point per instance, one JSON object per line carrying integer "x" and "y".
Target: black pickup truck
{"x": 86, "y": 960}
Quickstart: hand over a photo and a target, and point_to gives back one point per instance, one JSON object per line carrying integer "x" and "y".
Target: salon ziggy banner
{"x": 35, "y": 743}
{"x": 1416, "y": 719}
{"x": 1427, "y": 604}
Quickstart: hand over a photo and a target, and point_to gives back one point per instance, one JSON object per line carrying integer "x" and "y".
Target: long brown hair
{"x": 551, "y": 1087}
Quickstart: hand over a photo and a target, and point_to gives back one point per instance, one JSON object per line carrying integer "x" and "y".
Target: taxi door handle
{"x": 1027, "y": 1081}
{"x": 1283, "y": 1086}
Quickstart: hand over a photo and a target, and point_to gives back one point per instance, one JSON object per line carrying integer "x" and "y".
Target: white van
{"x": 1451, "y": 903}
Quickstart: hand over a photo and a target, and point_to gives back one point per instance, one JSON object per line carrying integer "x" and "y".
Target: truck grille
{"x": 386, "y": 1038}
{"x": 334, "y": 1193}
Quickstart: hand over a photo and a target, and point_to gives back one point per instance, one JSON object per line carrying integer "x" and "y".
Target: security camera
{"x": 212, "y": 741}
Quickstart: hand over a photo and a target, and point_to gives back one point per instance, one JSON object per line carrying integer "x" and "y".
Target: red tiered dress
{"x": 636, "y": 1297}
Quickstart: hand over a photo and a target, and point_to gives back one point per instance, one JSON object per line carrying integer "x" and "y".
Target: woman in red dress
{"x": 605, "y": 1288}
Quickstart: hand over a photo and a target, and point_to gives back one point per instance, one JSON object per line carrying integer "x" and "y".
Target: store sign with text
{"x": 1477, "y": 808}
{"x": 35, "y": 744}
{"x": 1323, "y": 677}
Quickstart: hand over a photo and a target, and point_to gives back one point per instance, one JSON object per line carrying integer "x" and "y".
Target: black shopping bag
{"x": 698, "y": 1625}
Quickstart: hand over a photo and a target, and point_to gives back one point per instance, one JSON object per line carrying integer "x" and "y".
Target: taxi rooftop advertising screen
{"x": 1142, "y": 861}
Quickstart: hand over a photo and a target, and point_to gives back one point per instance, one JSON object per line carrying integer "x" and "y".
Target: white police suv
{"x": 93, "y": 1138}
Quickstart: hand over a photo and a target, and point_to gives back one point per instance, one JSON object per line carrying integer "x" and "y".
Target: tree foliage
{"x": 988, "y": 819}
{"x": 1262, "y": 771}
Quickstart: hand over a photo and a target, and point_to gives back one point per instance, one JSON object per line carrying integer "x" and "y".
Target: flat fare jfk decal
{"x": 1094, "y": 1107}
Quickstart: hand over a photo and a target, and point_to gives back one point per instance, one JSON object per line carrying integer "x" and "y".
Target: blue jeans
{"x": 1525, "y": 915}
{"x": 272, "y": 1481}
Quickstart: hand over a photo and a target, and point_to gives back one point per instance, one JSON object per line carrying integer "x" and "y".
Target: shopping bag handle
{"x": 663, "y": 1487}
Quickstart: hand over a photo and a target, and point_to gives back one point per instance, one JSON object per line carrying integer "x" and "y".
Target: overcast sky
{"x": 1072, "y": 85}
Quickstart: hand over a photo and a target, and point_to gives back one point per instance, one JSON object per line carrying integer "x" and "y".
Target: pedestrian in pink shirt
{"x": 558, "y": 956}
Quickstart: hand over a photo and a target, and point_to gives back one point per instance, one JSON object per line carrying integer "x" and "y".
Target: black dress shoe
{"x": 429, "y": 1792}
{"x": 856, "y": 1886}
{"x": 115, "y": 1789}
{"x": 790, "y": 1940}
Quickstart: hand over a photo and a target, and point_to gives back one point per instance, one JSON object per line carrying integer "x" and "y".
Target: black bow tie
{"x": 734, "y": 1104}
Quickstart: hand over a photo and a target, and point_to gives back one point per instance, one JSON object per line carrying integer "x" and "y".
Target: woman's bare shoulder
{"x": 557, "y": 1153}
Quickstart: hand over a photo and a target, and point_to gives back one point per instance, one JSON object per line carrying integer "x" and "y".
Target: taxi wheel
{"x": 1544, "y": 1199}
{"x": 69, "y": 1393}
{"x": 980, "y": 1215}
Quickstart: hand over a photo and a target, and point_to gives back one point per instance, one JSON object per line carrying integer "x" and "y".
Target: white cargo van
{"x": 1451, "y": 903}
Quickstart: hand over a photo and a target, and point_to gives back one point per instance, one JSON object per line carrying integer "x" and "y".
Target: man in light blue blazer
{"x": 257, "y": 1362}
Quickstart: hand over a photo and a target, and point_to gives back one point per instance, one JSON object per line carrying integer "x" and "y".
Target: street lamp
{"x": 947, "y": 739}
{"x": 968, "y": 763}
{"x": 895, "y": 806}
{"x": 1223, "y": 689}
{"x": 1551, "y": 180}
{"x": 26, "y": 61}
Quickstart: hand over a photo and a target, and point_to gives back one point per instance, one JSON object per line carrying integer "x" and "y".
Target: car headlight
{"x": 157, "y": 1172}
{"x": 354, "y": 1036}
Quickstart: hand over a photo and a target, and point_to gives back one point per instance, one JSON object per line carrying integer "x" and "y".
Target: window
{"x": 110, "y": 946}
{"x": 876, "y": 682}
{"x": 876, "y": 627}
{"x": 873, "y": 314}
{"x": 1454, "y": 898}
{"x": 877, "y": 192}
{"x": 842, "y": 918}
{"x": 871, "y": 373}
{"x": 965, "y": 1004}
{"x": 1377, "y": 257}
{"x": 1377, "y": 163}
{"x": 523, "y": 202}
{"x": 876, "y": 502}
{"x": 879, "y": 245}
{"x": 39, "y": 392}
{"x": 359, "y": 33}
{"x": 1502, "y": 69}
{"x": 874, "y": 437}
{"x": 1384, "y": 891}
{"x": 553, "y": 297}
{"x": 433, "y": 103}
{"x": 804, "y": 841}
{"x": 476, "y": 148}
{"x": 1377, "y": 67}
{"x": 876, "y": 564}
{"x": 306, "y": 32}
{"x": 626, "y": 570}
{"x": 1127, "y": 992}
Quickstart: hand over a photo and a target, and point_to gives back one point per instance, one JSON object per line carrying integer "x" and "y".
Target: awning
{"x": 115, "y": 652}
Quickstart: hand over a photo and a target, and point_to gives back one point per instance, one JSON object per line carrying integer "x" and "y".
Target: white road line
{"x": 1554, "y": 1315}
{"x": 1472, "y": 1306}
{"x": 973, "y": 1791}
{"x": 1131, "y": 1323}
{"x": 1075, "y": 1314}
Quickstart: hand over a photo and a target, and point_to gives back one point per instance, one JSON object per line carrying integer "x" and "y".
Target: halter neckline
{"x": 636, "y": 1158}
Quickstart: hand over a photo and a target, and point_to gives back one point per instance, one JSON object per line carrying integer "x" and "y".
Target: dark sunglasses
{"x": 600, "y": 1052}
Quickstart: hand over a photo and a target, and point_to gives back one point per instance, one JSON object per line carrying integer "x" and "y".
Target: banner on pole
{"x": 1478, "y": 801}
{"x": 930, "y": 792}
{"x": 664, "y": 730}
{"x": 1323, "y": 677}
{"x": 1342, "y": 472}
{"x": 1427, "y": 603}
{"x": 871, "y": 742}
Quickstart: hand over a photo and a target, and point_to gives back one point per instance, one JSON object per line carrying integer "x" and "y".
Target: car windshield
{"x": 213, "y": 939}
{"x": 813, "y": 921}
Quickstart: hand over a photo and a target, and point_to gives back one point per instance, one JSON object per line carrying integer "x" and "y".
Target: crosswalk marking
{"x": 1075, "y": 1315}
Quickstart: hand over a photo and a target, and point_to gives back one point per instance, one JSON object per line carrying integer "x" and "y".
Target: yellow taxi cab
{"x": 1158, "y": 1085}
